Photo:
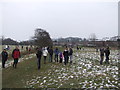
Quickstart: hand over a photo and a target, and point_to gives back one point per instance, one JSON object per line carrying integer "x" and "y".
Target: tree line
{"x": 41, "y": 38}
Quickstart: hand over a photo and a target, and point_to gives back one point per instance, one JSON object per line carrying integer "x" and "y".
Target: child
{"x": 61, "y": 57}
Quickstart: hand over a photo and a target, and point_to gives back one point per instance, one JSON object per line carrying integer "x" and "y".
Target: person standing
{"x": 8, "y": 47}
{"x": 39, "y": 54}
{"x": 66, "y": 55}
{"x": 101, "y": 55}
{"x": 4, "y": 57}
{"x": 45, "y": 52}
{"x": 107, "y": 53}
{"x": 61, "y": 57}
{"x": 50, "y": 50}
{"x": 27, "y": 48}
{"x": 77, "y": 48}
{"x": 56, "y": 51}
{"x": 70, "y": 55}
{"x": 16, "y": 55}
{"x": 22, "y": 47}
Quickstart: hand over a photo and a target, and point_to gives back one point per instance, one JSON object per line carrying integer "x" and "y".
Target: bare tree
{"x": 92, "y": 37}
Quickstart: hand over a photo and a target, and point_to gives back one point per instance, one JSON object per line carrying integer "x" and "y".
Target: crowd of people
{"x": 65, "y": 56}
{"x": 58, "y": 55}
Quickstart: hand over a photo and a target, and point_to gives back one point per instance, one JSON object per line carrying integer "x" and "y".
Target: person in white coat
{"x": 45, "y": 52}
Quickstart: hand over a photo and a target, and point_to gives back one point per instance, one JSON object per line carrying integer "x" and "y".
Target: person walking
{"x": 56, "y": 51}
{"x": 4, "y": 57}
{"x": 70, "y": 55}
{"x": 50, "y": 50}
{"x": 45, "y": 52}
{"x": 101, "y": 55}
{"x": 66, "y": 54}
{"x": 107, "y": 53}
{"x": 16, "y": 55}
{"x": 39, "y": 54}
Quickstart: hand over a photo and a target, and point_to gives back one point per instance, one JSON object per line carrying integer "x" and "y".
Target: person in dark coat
{"x": 4, "y": 57}
{"x": 22, "y": 47}
{"x": 39, "y": 55}
{"x": 101, "y": 55}
{"x": 27, "y": 48}
{"x": 77, "y": 48}
{"x": 16, "y": 55}
{"x": 70, "y": 55}
{"x": 107, "y": 53}
{"x": 56, "y": 51}
{"x": 66, "y": 55}
{"x": 50, "y": 51}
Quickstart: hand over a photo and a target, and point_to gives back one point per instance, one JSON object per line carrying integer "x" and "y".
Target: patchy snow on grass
{"x": 26, "y": 57}
{"x": 85, "y": 72}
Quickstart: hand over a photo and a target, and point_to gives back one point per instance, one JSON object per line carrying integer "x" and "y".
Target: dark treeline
{"x": 9, "y": 41}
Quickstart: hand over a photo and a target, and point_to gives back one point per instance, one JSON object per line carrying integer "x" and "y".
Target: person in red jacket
{"x": 16, "y": 56}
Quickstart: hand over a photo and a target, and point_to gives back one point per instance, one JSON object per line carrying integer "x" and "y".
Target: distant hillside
{"x": 77, "y": 39}
{"x": 70, "y": 39}
{"x": 9, "y": 41}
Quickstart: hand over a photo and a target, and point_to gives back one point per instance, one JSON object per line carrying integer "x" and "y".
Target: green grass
{"x": 16, "y": 78}
{"x": 27, "y": 72}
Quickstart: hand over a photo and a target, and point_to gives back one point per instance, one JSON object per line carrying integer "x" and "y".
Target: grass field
{"x": 85, "y": 72}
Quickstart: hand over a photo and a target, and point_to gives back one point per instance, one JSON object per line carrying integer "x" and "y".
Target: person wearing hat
{"x": 4, "y": 57}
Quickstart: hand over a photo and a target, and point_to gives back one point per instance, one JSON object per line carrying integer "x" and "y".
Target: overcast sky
{"x": 61, "y": 19}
